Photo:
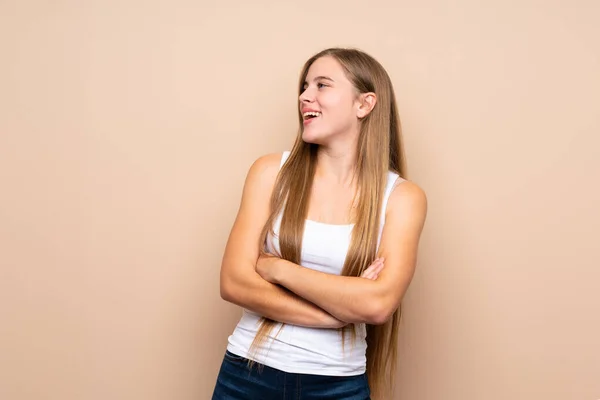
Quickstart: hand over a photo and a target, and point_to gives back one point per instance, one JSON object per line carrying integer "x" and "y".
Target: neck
{"x": 337, "y": 164}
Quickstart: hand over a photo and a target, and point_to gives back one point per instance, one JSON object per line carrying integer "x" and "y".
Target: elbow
{"x": 227, "y": 290}
{"x": 225, "y": 293}
{"x": 379, "y": 313}
{"x": 378, "y": 318}
{"x": 238, "y": 289}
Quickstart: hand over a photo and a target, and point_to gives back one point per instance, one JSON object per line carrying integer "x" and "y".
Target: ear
{"x": 366, "y": 104}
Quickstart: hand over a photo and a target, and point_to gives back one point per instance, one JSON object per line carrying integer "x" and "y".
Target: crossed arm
{"x": 289, "y": 293}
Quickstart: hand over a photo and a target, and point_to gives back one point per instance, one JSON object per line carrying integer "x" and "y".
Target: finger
{"x": 368, "y": 273}
{"x": 371, "y": 267}
{"x": 375, "y": 273}
{"x": 376, "y": 267}
{"x": 371, "y": 276}
{"x": 376, "y": 261}
{"x": 372, "y": 270}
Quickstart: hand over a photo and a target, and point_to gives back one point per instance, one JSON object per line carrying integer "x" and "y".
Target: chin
{"x": 314, "y": 138}
{"x": 309, "y": 138}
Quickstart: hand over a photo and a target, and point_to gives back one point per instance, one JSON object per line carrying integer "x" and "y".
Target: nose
{"x": 307, "y": 96}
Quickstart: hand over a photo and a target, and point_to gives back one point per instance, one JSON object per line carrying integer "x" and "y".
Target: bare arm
{"x": 240, "y": 283}
{"x": 353, "y": 299}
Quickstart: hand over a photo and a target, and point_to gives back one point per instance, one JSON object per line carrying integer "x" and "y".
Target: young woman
{"x": 324, "y": 245}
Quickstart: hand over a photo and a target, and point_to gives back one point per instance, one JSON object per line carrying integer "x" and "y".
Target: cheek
{"x": 338, "y": 107}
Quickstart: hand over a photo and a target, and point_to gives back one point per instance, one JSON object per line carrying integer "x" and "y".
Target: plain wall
{"x": 126, "y": 131}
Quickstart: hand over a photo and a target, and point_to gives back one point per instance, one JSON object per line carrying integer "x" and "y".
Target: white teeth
{"x": 313, "y": 113}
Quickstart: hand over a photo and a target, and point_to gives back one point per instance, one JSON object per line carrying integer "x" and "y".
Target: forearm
{"x": 276, "y": 303}
{"x": 350, "y": 299}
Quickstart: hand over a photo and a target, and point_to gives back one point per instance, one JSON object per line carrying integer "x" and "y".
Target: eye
{"x": 321, "y": 85}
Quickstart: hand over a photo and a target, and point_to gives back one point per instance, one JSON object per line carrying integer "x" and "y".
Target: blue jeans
{"x": 236, "y": 381}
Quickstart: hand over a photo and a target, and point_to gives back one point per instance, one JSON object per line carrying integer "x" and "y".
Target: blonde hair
{"x": 379, "y": 150}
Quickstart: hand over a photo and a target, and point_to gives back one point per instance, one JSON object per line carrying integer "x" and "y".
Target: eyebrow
{"x": 321, "y": 78}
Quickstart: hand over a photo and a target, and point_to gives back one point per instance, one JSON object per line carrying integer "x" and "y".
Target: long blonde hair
{"x": 379, "y": 151}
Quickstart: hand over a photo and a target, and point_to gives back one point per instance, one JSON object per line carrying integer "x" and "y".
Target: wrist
{"x": 280, "y": 270}
{"x": 333, "y": 323}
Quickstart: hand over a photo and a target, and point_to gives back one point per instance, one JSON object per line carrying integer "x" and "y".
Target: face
{"x": 329, "y": 103}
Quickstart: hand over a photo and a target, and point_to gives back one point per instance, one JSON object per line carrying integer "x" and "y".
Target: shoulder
{"x": 267, "y": 163}
{"x": 407, "y": 200}
{"x": 264, "y": 169}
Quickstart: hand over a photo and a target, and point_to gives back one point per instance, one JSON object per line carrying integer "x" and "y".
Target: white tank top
{"x": 298, "y": 349}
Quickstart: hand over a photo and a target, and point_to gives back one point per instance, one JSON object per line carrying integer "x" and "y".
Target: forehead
{"x": 326, "y": 66}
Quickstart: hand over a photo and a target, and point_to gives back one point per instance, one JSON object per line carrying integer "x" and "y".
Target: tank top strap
{"x": 392, "y": 181}
{"x": 284, "y": 157}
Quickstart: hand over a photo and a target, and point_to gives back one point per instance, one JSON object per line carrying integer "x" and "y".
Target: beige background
{"x": 127, "y": 128}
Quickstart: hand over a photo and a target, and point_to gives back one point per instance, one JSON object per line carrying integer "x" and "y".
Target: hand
{"x": 333, "y": 323}
{"x": 373, "y": 270}
{"x": 266, "y": 268}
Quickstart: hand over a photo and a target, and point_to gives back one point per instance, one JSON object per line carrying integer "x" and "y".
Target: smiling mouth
{"x": 310, "y": 115}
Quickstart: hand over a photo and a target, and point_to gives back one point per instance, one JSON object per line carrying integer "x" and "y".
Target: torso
{"x": 326, "y": 239}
